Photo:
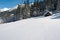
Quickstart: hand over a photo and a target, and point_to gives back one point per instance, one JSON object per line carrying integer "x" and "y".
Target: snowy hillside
{"x": 31, "y": 29}
{"x": 4, "y": 9}
{"x": 13, "y": 8}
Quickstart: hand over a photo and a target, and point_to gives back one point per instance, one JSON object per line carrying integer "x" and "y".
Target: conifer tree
{"x": 17, "y": 14}
{"x": 49, "y": 4}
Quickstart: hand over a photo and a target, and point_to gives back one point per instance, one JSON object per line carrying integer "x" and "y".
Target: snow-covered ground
{"x": 31, "y": 29}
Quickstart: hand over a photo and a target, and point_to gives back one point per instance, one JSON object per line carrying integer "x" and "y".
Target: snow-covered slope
{"x": 10, "y": 9}
{"x": 4, "y": 9}
{"x": 31, "y": 29}
{"x": 13, "y": 8}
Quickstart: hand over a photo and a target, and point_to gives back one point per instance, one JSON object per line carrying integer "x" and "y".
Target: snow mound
{"x": 56, "y": 16}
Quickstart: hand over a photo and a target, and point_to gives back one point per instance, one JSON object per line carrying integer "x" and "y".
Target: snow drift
{"x": 31, "y": 29}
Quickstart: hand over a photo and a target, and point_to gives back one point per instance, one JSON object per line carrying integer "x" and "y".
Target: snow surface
{"x": 31, "y": 29}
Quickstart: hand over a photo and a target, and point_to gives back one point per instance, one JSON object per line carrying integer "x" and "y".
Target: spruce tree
{"x": 17, "y": 14}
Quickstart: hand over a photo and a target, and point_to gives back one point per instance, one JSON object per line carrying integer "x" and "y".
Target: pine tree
{"x": 17, "y": 14}
{"x": 55, "y": 4}
{"x": 26, "y": 9}
{"x": 49, "y": 4}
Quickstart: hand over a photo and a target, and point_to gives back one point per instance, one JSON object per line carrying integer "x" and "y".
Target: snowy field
{"x": 46, "y": 28}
